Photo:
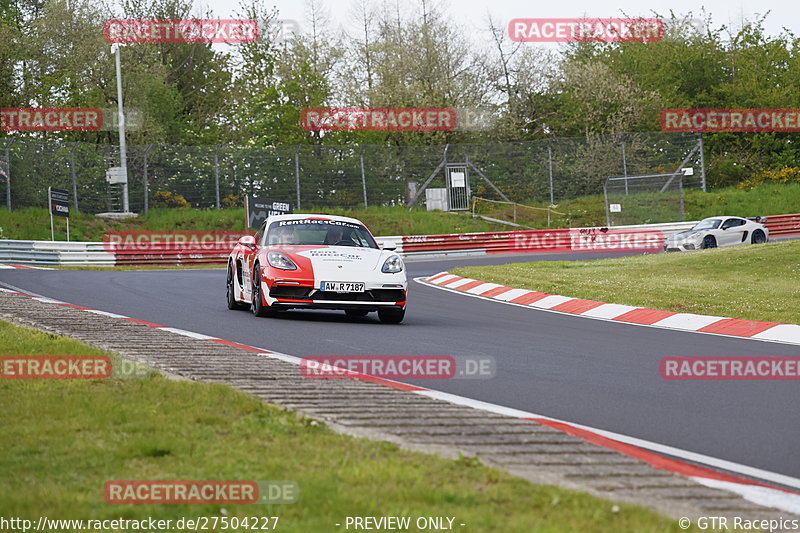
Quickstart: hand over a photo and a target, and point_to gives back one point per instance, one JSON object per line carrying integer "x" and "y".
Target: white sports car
{"x": 318, "y": 262}
{"x": 719, "y": 231}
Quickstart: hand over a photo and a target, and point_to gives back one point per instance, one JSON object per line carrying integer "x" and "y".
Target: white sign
{"x": 458, "y": 179}
{"x": 116, "y": 175}
{"x": 688, "y": 171}
{"x": 615, "y": 208}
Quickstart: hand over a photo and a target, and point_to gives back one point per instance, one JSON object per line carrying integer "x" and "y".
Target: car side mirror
{"x": 247, "y": 240}
{"x": 389, "y": 245}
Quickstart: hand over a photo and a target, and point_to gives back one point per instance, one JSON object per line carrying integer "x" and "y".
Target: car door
{"x": 732, "y": 232}
{"x": 248, "y": 260}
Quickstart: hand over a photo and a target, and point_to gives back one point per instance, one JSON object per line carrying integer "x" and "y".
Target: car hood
{"x": 685, "y": 235}
{"x": 333, "y": 262}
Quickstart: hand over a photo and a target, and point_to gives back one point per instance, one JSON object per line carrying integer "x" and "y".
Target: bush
{"x": 231, "y": 201}
{"x": 783, "y": 175}
{"x": 167, "y": 199}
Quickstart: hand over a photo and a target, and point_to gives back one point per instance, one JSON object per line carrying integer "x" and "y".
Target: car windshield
{"x": 318, "y": 231}
{"x": 712, "y": 223}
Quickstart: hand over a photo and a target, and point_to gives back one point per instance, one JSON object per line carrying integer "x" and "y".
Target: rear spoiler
{"x": 760, "y": 220}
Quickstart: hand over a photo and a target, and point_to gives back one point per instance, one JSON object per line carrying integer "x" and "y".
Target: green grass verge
{"x": 589, "y": 211}
{"x": 62, "y": 440}
{"x": 34, "y": 223}
{"x": 752, "y": 282}
{"x": 767, "y": 199}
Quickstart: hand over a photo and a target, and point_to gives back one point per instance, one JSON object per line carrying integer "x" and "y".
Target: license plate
{"x": 341, "y": 286}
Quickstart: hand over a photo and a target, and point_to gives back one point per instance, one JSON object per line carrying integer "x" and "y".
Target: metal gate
{"x": 457, "y": 187}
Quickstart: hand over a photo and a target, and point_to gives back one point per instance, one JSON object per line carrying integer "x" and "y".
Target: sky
{"x": 472, "y": 14}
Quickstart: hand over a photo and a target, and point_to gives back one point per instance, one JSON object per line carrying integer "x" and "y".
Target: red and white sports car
{"x": 317, "y": 262}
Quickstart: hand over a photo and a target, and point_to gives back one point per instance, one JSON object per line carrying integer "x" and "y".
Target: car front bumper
{"x": 376, "y": 296}
{"x": 682, "y": 245}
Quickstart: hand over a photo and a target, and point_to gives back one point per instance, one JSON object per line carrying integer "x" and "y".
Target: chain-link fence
{"x": 318, "y": 176}
{"x": 650, "y": 199}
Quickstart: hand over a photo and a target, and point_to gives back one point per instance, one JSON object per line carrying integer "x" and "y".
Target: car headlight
{"x": 278, "y": 260}
{"x": 392, "y": 265}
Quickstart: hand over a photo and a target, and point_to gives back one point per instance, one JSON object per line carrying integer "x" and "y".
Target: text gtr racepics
{"x": 317, "y": 262}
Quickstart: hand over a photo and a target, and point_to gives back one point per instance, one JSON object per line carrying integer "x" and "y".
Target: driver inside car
{"x": 282, "y": 235}
{"x": 336, "y": 234}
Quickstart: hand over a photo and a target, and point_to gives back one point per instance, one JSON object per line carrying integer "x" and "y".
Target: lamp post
{"x": 123, "y": 159}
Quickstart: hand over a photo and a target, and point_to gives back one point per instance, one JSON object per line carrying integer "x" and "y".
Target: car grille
{"x": 287, "y": 291}
{"x": 306, "y": 293}
{"x": 374, "y": 295}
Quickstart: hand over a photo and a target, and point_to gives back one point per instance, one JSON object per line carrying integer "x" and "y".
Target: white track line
{"x": 780, "y": 334}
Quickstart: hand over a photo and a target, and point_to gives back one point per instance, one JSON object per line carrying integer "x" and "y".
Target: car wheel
{"x": 259, "y": 309}
{"x": 709, "y": 242}
{"x": 758, "y": 237}
{"x": 232, "y": 302}
{"x": 391, "y": 316}
{"x": 356, "y": 312}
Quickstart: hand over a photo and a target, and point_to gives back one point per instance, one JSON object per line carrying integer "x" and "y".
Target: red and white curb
{"x": 640, "y": 316}
{"x": 659, "y": 456}
{"x": 5, "y": 266}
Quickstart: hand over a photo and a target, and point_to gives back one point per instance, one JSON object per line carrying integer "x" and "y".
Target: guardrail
{"x": 618, "y": 238}
{"x": 783, "y": 225}
{"x": 55, "y": 253}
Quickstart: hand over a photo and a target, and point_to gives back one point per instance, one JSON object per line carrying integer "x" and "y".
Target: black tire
{"x": 758, "y": 237}
{"x": 353, "y": 313}
{"x": 391, "y": 316}
{"x": 233, "y": 303}
{"x": 259, "y": 309}
{"x": 709, "y": 242}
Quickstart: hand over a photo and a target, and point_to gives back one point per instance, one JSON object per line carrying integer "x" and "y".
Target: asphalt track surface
{"x": 598, "y": 373}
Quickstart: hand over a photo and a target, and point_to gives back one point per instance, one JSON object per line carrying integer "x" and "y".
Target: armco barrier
{"x": 55, "y": 253}
{"x": 783, "y": 225}
{"x": 625, "y": 238}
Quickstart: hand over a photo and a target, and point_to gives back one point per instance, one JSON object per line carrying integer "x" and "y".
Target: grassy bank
{"x": 752, "y": 282}
{"x": 62, "y": 440}
{"x": 587, "y": 211}
{"x": 34, "y": 223}
{"x": 767, "y": 199}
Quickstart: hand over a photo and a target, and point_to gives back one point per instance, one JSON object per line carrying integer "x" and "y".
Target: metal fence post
{"x": 74, "y": 175}
{"x": 216, "y": 173}
{"x": 363, "y": 178}
{"x": 8, "y": 172}
{"x": 146, "y": 185}
{"x": 702, "y": 161}
{"x": 550, "y": 161}
{"x": 625, "y": 167}
{"x": 297, "y": 173}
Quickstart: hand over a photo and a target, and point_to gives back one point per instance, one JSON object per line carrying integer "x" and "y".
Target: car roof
{"x": 299, "y": 216}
